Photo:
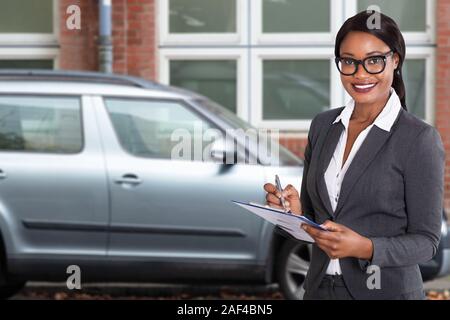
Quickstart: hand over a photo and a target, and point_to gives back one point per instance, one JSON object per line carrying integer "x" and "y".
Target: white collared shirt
{"x": 334, "y": 175}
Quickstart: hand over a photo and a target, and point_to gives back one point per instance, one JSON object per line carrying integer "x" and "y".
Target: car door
{"x": 167, "y": 209}
{"x": 53, "y": 191}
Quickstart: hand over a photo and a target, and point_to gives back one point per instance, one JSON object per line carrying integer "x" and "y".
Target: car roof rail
{"x": 91, "y": 77}
{"x": 84, "y": 76}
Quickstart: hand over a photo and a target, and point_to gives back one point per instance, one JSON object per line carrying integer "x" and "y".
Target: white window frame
{"x": 309, "y": 38}
{"x": 31, "y": 54}
{"x": 238, "y": 37}
{"x": 25, "y": 39}
{"x": 428, "y": 54}
{"x": 411, "y": 38}
{"x": 250, "y": 48}
{"x": 257, "y": 58}
{"x": 238, "y": 55}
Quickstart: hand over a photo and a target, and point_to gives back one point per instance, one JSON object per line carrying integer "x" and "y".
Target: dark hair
{"x": 389, "y": 32}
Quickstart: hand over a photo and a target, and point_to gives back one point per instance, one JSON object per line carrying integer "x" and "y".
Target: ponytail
{"x": 399, "y": 87}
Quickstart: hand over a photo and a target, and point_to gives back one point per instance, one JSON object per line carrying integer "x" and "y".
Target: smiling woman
{"x": 353, "y": 154}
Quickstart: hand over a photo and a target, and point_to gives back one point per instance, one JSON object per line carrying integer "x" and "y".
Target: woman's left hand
{"x": 340, "y": 242}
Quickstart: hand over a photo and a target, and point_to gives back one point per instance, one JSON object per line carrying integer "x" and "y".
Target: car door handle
{"x": 2, "y": 174}
{"x": 129, "y": 178}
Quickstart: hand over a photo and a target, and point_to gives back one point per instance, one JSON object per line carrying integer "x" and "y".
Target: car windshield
{"x": 286, "y": 157}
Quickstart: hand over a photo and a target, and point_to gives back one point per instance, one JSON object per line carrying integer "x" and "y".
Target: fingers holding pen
{"x": 273, "y": 199}
{"x": 272, "y": 189}
{"x": 291, "y": 201}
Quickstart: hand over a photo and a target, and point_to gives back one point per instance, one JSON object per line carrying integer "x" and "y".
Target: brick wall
{"x": 134, "y": 37}
{"x": 295, "y": 145}
{"x": 78, "y": 48}
{"x": 133, "y": 34}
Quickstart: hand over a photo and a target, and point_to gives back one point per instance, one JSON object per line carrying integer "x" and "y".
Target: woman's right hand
{"x": 291, "y": 198}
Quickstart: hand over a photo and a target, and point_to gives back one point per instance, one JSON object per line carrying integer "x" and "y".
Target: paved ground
{"x": 437, "y": 289}
{"x": 58, "y": 291}
{"x": 439, "y": 284}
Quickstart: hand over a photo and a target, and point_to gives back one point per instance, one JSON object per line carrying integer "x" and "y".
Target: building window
{"x": 416, "y": 18}
{"x": 409, "y": 14}
{"x": 290, "y": 84}
{"x": 283, "y": 52}
{"x": 26, "y": 64}
{"x": 416, "y": 21}
{"x": 202, "y": 21}
{"x": 218, "y": 73}
{"x": 414, "y": 74}
{"x": 26, "y": 16}
{"x": 29, "y": 34}
{"x": 294, "y": 16}
{"x": 214, "y": 78}
{"x": 202, "y": 16}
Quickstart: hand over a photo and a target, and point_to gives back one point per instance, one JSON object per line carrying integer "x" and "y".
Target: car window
{"x": 40, "y": 124}
{"x": 158, "y": 129}
{"x": 285, "y": 157}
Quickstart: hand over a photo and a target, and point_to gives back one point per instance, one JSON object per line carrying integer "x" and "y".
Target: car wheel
{"x": 292, "y": 265}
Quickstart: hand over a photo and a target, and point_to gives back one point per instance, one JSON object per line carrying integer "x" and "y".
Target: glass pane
{"x": 214, "y": 79}
{"x": 26, "y": 64}
{"x": 40, "y": 124}
{"x": 146, "y": 128}
{"x": 296, "y": 16}
{"x": 26, "y": 16}
{"x": 409, "y": 14}
{"x": 295, "y": 89}
{"x": 202, "y": 16}
{"x": 414, "y": 77}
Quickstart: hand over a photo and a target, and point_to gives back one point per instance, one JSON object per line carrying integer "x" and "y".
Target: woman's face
{"x": 363, "y": 87}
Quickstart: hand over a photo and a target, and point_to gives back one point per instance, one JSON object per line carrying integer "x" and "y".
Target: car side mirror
{"x": 223, "y": 152}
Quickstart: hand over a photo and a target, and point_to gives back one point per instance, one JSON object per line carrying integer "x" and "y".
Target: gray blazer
{"x": 392, "y": 193}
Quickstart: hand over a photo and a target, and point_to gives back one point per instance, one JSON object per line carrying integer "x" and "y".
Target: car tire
{"x": 291, "y": 267}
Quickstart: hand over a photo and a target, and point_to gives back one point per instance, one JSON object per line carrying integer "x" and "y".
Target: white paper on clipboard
{"x": 289, "y": 222}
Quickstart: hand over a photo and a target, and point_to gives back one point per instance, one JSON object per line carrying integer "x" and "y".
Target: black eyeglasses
{"x": 373, "y": 64}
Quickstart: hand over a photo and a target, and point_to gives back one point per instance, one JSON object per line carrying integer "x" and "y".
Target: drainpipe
{"x": 105, "y": 48}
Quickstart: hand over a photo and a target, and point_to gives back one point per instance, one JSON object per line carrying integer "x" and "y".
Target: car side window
{"x": 158, "y": 128}
{"x": 40, "y": 124}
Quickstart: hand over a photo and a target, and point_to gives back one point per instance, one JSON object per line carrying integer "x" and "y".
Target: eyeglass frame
{"x": 362, "y": 62}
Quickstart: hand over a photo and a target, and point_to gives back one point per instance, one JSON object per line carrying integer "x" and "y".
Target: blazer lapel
{"x": 373, "y": 143}
{"x": 328, "y": 147}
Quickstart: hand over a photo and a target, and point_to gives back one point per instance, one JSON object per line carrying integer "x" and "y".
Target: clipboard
{"x": 285, "y": 220}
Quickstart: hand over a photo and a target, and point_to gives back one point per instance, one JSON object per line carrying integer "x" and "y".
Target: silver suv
{"x": 87, "y": 178}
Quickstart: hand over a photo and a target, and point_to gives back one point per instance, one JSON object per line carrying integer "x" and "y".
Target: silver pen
{"x": 280, "y": 189}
